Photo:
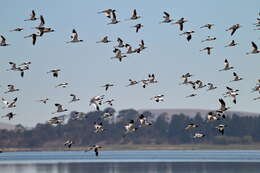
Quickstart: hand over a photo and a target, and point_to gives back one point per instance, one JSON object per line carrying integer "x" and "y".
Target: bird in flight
{"x": 3, "y": 41}
{"x": 32, "y": 17}
{"x": 233, "y": 28}
{"x": 74, "y": 37}
{"x": 255, "y": 49}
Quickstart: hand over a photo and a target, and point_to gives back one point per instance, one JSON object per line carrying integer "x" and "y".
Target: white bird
{"x": 143, "y": 121}
{"x": 221, "y": 128}
{"x": 158, "y": 98}
{"x": 232, "y": 93}
{"x": 200, "y": 84}
{"x": 11, "y": 88}
{"x": 59, "y": 108}
{"x": 211, "y": 86}
{"x": 3, "y": 41}
{"x": 68, "y": 143}
{"x": 167, "y": 18}
{"x": 63, "y": 85}
{"x": 198, "y": 135}
{"x": 191, "y": 126}
{"x": 9, "y": 104}
{"x": 118, "y": 55}
{"x": 32, "y": 16}
{"x": 255, "y": 49}
{"x": 10, "y": 115}
{"x": 223, "y": 107}
{"x": 96, "y": 101}
{"x": 236, "y": 77}
{"x": 74, "y": 98}
{"x": 98, "y": 127}
{"x": 55, "y": 72}
{"x": 129, "y": 127}
{"x": 226, "y": 66}
{"x": 212, "y": 116}
{"x": 74, "y": 37}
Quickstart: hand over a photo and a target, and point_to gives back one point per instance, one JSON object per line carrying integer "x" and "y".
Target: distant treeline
{"x": 239, "y": 130}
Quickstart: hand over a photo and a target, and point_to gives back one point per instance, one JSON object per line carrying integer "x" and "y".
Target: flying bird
{"x": 167, "y": 18}
{"x": 138, "y": 27}
{"x": 3, "y": 41}
{"x": 232, "y": 44}
{"x": 55, "y": 72}
{"x": 10, "y": 115}
{"x": 34, "y": 36}
{"x": 236, "y": 77}
{"x": 134, "y": 15}
{"x": 95, "y": 148}
{"x": 74, "y": 98}
{"x": 74, "y": 37}
{"x": 104, "y": 40}
{"x": 209, "y": 26}
{"x": 11, "y": 88}
{"x": 32, "y": 16}
{"x": 255, "y": 49}
{"x": 226, "y": 66}
{"x": 181, "y": 21}
{"x": 233, "y": 28}
{"x": 59, "y": 108}
{"x": 9, "y": 104}
{"x": 208, "y": 49}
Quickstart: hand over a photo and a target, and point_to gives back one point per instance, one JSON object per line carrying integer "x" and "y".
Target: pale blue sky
{"x": 87, "y": 66}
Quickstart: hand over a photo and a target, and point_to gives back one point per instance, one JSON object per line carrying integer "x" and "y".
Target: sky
{"x": 87, "y": 65}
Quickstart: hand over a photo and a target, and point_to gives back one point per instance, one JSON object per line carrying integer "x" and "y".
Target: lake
{"x": 155, "y": 161}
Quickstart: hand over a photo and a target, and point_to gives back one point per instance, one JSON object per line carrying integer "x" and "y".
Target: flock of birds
{"x": 98, "y": 101}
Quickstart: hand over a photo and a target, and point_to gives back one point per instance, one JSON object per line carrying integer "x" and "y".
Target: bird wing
{"x": 42, "y": 21}
{"x": 34, "y": 39}
{"x": 167, "y": 15}
{"x": 254, "y": 45}
{"x": 134, "y": 13}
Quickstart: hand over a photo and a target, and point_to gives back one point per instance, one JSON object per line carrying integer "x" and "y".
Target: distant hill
{"x": 6, "y": 126}
{"x": 193, "y": 112}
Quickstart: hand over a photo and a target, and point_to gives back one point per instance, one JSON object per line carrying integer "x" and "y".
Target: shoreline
{"x": 142, "y": 147}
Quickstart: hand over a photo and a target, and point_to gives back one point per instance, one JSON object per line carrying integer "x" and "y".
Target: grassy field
{"x": 146, "y": 147}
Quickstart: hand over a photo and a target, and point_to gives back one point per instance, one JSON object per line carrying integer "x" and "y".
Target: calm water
{"x": 237, "y": 161}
